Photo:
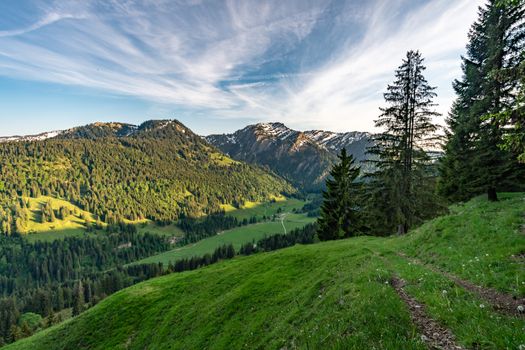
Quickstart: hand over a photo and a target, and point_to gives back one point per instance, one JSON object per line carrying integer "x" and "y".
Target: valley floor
{"x": 237, "y": 237}
{"x": 449, "y": 283}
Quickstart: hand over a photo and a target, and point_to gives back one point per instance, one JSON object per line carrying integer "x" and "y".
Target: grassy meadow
{"x": 237, "y": 236}
{"x": 73, "y": 225}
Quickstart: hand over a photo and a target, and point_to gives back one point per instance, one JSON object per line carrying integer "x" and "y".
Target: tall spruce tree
{"x": 487, "y": 102}
{"x": 514, "y": 117}
{"x": 339, "y": 217}
{"x": 78, "y": 298}
{"x": 400, "y": 190}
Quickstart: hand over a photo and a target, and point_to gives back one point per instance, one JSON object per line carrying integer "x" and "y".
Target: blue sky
{"x": 218, "y": 65}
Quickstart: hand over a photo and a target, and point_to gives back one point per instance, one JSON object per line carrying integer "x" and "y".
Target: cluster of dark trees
{"x": 223, "y": 252}
{"x": 304, "y": 235}
{"x": 399, "y": 191}
{"x": 44, "y": 277}
{"x": 486, "y": 127}
{"x": 158, "y": 175}
{"x": 49, "y": 302}
{"x": 24, "y": 265}
{"x": 484, "y": 141}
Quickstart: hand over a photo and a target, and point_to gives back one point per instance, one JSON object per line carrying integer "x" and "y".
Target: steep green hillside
{"x": 287, "y": 152}
{"x": 304, "y": 158}
{"x": 160, "y": 171}
{"x": 349, "y": 294}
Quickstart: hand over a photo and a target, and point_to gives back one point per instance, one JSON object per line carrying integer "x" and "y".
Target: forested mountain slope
{"x": 304, "y": 158}
{"x": 350, "y": 294}
{"x": 159, "y": 170}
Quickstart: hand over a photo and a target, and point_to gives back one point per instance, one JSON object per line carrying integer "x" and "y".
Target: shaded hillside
{"x": 356, "y": 293}
{"x": 304, "y": 158}
{"x": 158, "y": 170}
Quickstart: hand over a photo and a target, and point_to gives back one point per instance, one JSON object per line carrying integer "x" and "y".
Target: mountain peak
{"x": 164, "y": 128}
{"x": 151, "y": 128}
{"x": 301, "y": 157}
{"x": 98, "y": 130}
{"x": 275, "y": 130}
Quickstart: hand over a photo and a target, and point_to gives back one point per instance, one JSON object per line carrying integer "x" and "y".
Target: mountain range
{"x": 302, "y": 157}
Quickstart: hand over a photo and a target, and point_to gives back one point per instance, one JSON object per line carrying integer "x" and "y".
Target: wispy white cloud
{"x": 198, "y": 54}
{"x": 48, "y": 19}
{"x": 345, "y": 92}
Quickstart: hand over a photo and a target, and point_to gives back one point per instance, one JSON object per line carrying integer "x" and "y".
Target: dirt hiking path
{"x": 502, "y": 302}
{"x": 433, "y": 334}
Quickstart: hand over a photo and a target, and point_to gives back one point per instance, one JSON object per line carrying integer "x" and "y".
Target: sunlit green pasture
{"x": 237, "y": 236}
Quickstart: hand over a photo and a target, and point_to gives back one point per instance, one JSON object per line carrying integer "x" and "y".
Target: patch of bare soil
{"x": 500, "y": 301}
{"x": 520, "y": 257}
{"x": 433, "y": 334}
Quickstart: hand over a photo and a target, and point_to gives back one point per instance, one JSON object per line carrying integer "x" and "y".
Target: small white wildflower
{"x": 386, "y": 282}
{"x": 487, "y": 254}
{"x": 481, "y": 306}
{"x": 444, "y": 292}
{"x": 521, "y": 308}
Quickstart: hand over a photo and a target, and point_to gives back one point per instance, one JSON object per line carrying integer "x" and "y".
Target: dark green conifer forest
{"x": 156, "y": 175}
{"x": 485, "y": 127}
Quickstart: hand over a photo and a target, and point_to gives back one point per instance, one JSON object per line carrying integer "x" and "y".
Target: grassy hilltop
{"x": 337, "y": 294}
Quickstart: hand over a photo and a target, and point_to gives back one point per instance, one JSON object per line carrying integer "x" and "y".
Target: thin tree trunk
{"x": 492, "y": 194}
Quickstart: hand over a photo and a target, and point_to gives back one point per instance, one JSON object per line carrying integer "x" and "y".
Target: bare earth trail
{"x": 502, "y": 302}
{"x": 432, "y": 333}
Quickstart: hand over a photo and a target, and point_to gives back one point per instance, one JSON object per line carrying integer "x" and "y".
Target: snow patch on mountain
{"x": 335, "y": 141}
{"x": 37, "y": 137}
{"x": 276, "y": 130}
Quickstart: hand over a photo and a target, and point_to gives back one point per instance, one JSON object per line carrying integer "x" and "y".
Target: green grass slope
{"x": 322, "y": 296}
